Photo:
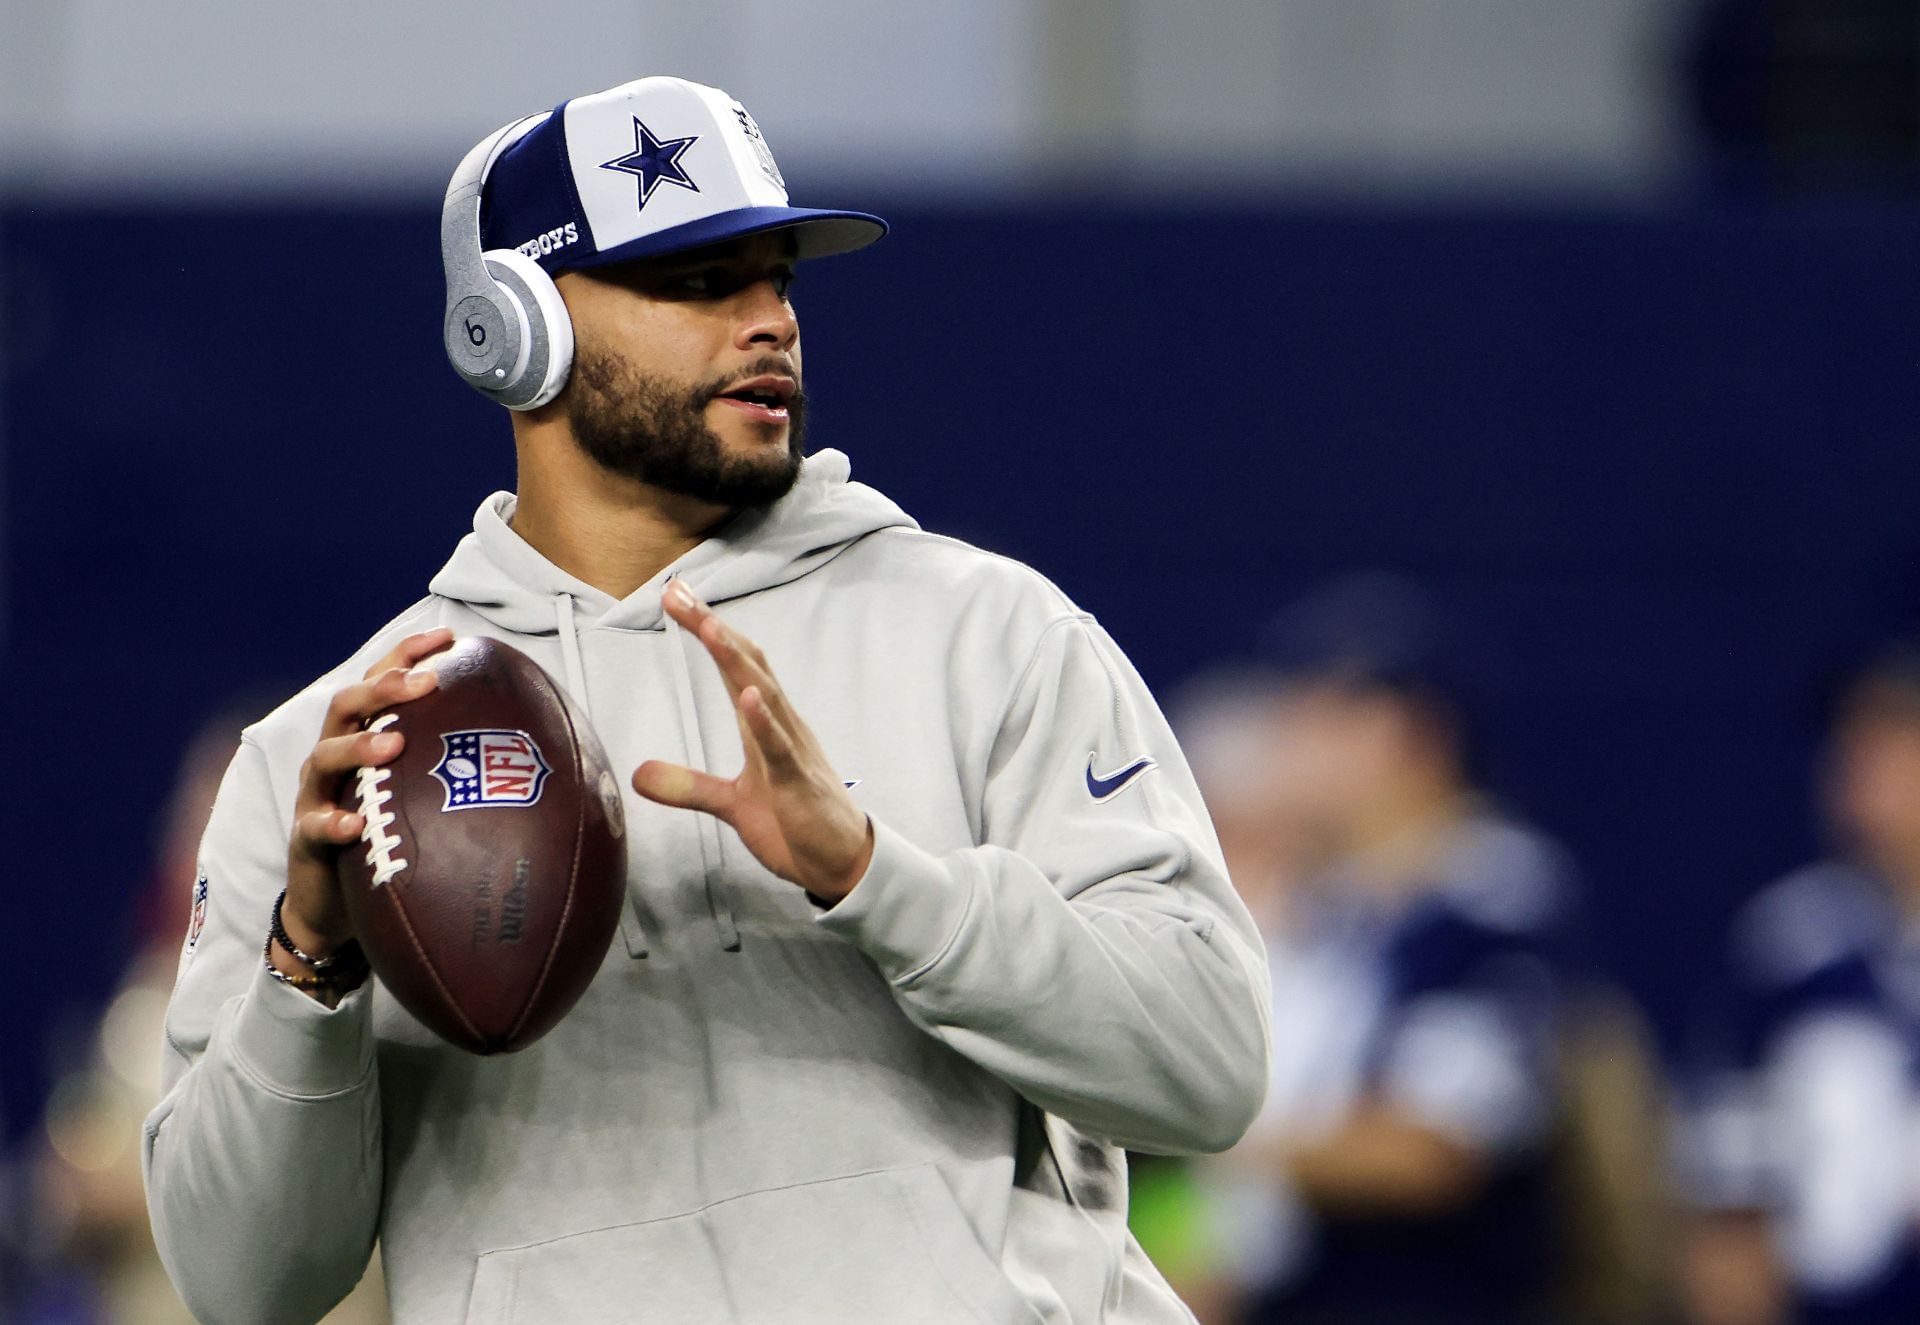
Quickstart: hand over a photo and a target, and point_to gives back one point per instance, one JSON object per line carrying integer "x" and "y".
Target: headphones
{"x": 506, "y": 329}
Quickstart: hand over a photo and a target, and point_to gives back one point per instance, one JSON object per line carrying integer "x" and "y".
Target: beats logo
{"x": 473, "y": 325}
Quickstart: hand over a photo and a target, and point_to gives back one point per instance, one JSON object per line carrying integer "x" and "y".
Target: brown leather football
{"x": 489, "y": 880}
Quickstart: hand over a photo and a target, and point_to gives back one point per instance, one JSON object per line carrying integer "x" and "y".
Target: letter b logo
{"x": 476, "y": 338}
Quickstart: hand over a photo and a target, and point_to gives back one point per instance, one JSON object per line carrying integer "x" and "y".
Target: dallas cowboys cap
{"x": 648, "y": 168}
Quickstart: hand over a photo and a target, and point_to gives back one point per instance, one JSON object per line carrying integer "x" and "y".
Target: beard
{"x": 655, "y": 431}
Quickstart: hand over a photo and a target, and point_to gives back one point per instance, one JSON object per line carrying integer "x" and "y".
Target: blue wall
{"x": 1667, "y": 465}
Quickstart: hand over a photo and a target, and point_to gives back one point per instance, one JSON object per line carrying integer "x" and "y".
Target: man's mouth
{"x": 762, "y": 398}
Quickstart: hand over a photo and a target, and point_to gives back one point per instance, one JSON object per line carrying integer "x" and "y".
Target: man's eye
{"x": 719, "y": 282}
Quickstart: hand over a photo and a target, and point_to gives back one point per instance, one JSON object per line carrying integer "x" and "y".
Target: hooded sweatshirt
{"x": 907, "y": 1107}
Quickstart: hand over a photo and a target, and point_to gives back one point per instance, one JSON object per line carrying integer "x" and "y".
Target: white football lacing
{"x": 374, "y": 795}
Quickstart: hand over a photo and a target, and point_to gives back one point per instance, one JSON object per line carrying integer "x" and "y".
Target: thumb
{"x": 683, "y": 788}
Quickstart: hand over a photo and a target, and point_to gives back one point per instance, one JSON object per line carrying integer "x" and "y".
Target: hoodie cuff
{"x": 907, "y": 908}
{"x": 301, "y": 1048}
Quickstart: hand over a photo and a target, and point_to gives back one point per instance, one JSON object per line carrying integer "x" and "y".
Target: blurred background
{"x": 1490, "y": 425}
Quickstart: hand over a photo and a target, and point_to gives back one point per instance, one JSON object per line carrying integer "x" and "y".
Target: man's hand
{"x": 788, "y": 805}
{"x": 315, "y": 917}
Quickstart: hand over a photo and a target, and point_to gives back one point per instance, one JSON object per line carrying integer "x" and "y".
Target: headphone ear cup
{"x": 543, "y": 370}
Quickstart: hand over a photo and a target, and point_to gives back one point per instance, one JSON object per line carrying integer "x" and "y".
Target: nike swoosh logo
{"x": 1106, "y": 788}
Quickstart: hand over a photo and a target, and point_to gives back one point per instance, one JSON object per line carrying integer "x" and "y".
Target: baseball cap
{"x": 651, "y": 167}
{"x": 1378, "y": 630}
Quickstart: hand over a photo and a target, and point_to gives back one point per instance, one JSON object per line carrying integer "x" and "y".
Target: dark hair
{"x": 1383, "y": 633}
{"x": 1885, "y": 683}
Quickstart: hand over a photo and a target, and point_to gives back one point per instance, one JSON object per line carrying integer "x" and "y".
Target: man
{"x": 1417, "y": 934}
{"x": 925, "y": 919}
{"x": 1804, "y": 1160}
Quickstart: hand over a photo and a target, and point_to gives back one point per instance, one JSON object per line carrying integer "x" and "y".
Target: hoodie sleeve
{"x": 1091, "y": 952}
{"x": 262, "y": 1161}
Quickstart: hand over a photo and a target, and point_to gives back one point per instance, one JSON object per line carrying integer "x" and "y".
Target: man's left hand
{"x": 788, "y": 805}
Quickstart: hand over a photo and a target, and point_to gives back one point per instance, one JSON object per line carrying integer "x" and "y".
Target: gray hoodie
{"x": 909, "y": 1107}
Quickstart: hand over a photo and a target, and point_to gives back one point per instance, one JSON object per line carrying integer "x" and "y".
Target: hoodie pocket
{"x": 890, "y": 1246}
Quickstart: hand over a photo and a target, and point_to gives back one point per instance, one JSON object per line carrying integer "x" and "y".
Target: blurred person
{"x": 94, "y": 1250}
{"x": 891, "y": 993}
{"x": 1803, "y": 1147}
{"x": 1418, "y": 949}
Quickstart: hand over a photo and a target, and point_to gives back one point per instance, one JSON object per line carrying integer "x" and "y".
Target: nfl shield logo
{"x": 490, "y": 767}
{"x": 197, "y": 921}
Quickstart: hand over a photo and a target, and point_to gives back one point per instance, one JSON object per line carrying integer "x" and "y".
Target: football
{"x": 488, "y": 881}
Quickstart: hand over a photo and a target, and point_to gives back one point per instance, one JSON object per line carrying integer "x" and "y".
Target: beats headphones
{"x": 506, "y": 330}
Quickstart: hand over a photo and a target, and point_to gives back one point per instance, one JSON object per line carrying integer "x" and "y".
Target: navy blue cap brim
{"x": 817, "y": 234}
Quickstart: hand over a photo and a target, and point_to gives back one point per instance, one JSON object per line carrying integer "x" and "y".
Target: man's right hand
{"x": 313, "y": 913}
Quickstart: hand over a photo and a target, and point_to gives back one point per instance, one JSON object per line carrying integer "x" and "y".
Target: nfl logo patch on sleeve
{"x": 197, "y": 921}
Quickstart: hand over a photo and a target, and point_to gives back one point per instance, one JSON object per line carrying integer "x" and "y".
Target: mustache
{"x": 769, "y": 364}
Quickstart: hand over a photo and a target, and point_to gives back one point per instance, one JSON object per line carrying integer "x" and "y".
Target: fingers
{"x": 318, "y": 820}
{"x": 684, "y": 788}
{"x": 775, "y": 741}
{"x": 342, "y": 754}
{"x": 739, "y": 659}
{"x": 328, "y": 826}
{"x": 312, "y": 908}
{"x": 787, "y": 805}
{"x": 774, "y": 735}
{"x": 354, "y": 704}
{"x": 345, "y": 745}
{"x": 411, "y": 650}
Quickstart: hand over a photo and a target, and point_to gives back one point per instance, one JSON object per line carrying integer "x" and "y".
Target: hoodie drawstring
{"x": 569, "y": 631}
{"x": 709, "y": 827}
{"x": 570, "y": 650}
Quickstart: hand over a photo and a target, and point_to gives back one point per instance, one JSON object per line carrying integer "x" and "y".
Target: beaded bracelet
{"x": 297, "y": 981}
{"x": 340, "y": 972}
{"x": 277, "y": 933}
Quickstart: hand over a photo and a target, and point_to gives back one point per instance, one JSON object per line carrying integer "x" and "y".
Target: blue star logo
{"x": 654, "y": 161}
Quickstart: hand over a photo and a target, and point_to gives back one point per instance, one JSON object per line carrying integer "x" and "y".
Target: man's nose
{"x": 766, "y": 318}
